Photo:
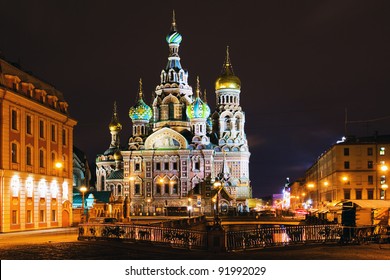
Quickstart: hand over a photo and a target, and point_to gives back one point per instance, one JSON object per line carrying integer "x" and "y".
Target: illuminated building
{"x": 36, "y": 153}
{"x": 178, "y": 145}
{"x": 355, "y": 168}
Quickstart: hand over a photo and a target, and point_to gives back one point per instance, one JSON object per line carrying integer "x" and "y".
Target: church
{"x": 180, "y": 150}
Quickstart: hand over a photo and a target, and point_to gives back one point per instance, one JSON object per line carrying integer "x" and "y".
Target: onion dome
{"x": 115, "y": 125}
{"x": 118, "y": 155}
{"x": 198, "y": 109}
{"x": 140, "y": 111}
{"x": 174, "y": 37}
{"x": 227, "y": 79}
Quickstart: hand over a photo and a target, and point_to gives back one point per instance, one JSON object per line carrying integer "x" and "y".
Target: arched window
{"x": 102, "y": 182}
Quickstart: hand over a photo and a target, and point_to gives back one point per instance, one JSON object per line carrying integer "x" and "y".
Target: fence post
{"x": 216, "y": 239}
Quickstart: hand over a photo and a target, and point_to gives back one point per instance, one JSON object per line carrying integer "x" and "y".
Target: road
{"x": 62, "y": 244}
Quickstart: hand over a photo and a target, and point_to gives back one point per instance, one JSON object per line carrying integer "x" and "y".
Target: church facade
{"x": 179, "y": 147}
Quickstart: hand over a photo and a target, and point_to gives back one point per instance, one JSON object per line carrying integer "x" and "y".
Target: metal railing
{"x": 282, "y": 235}
{"x": 137, "y": 233}
{"x": 260, "y": 237}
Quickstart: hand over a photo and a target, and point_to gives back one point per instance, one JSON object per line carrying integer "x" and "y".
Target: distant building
{"x": 179, "y": 146}
{"x": 354, "y": 170}
{"x": 36, "y": 151}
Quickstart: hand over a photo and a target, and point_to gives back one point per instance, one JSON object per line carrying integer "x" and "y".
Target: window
{"x": 29, "y": 217}
{"x": 64, "y": 137}
{"x": 174, "y": 188}
{"x": 370, "y": 151}
{"x": 14, "y": 218}
{"x": 382, "y": 151}
{"x": 383, "y": 179}
{"x": 359, "y": 194}
{"x": 158, "y": 165}
{"x": 197, "y": 165}
{"x": 41, "y": 216}
{"x": 14, "y": 119}
{"x": 41, "y": 159}
{"x": 137, "y": 167}
{"x": 166, "y": 165}
{"x": 53, "y": 215}
{"x": 14, "y": 153}
{"x": 197, "y": 188}
{"x": 370, "y": 179}
{"x": 370, "y": 164}
{"x": 346, "y": 151}
{"x": 53, "y": 133}
{"x": 346, "y": 164}
{"x": 370, "y": 194}
{"x": 28, "y": 125}
{"x": 41, "y": 129}
{"x": 174, "y": 165}
{"x": 137, "y": 188}
{"x": 347, "y": 194}
{"x": 28, "y": 156}
{"x": 158, "y": 189}
{"x": 166, "y": 188}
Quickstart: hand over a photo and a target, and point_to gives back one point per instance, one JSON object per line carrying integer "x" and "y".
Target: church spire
{"x": 173, "y": 28}
{"x": 197, "y": 94}
{"x": 140, "y": 93}
{"x": 227, "y": 68}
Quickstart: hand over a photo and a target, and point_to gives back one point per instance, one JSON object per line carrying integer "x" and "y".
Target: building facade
{"x": 178, "y": 145}
{"x": 36, "y": 153}
{"x": 355, "y": 168}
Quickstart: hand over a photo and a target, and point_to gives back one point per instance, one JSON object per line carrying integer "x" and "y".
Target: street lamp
{"x": 189, "y": 207}
{"x": 218, "y": 186}
{"x": 83, "y": 189}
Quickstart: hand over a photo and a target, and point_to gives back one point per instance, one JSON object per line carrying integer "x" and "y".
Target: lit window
{"x": 29, "y": 187}
{"x": 54, "y": 189}
{"x": 15, "y": 185}
{"x": 42, "y": 188}
{"x": 382, "y": 151}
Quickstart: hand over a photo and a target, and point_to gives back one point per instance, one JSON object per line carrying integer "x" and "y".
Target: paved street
{"x": 62, "y": 244}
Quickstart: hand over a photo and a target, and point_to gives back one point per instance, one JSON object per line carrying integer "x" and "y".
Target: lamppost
{"x": 83, "y": 189}
{"x": 218, "y": 186}
{"x": 189, "y": 207}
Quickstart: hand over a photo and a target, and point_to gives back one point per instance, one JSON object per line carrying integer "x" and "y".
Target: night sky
{"x": 301, "y": 64}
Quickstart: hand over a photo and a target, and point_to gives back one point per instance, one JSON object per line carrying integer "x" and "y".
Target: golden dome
{"x": 227, "y": 79}
{"x": 118, "y": 155}
{"x": 115, "y": 125}
{"x": 230, "y": 82}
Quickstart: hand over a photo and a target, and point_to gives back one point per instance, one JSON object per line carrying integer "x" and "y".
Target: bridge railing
{"x": 169, "y": 236}
{"x": 282, "y": 235}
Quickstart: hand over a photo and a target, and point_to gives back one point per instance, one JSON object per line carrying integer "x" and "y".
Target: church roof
{"x": 116, "y": 175}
